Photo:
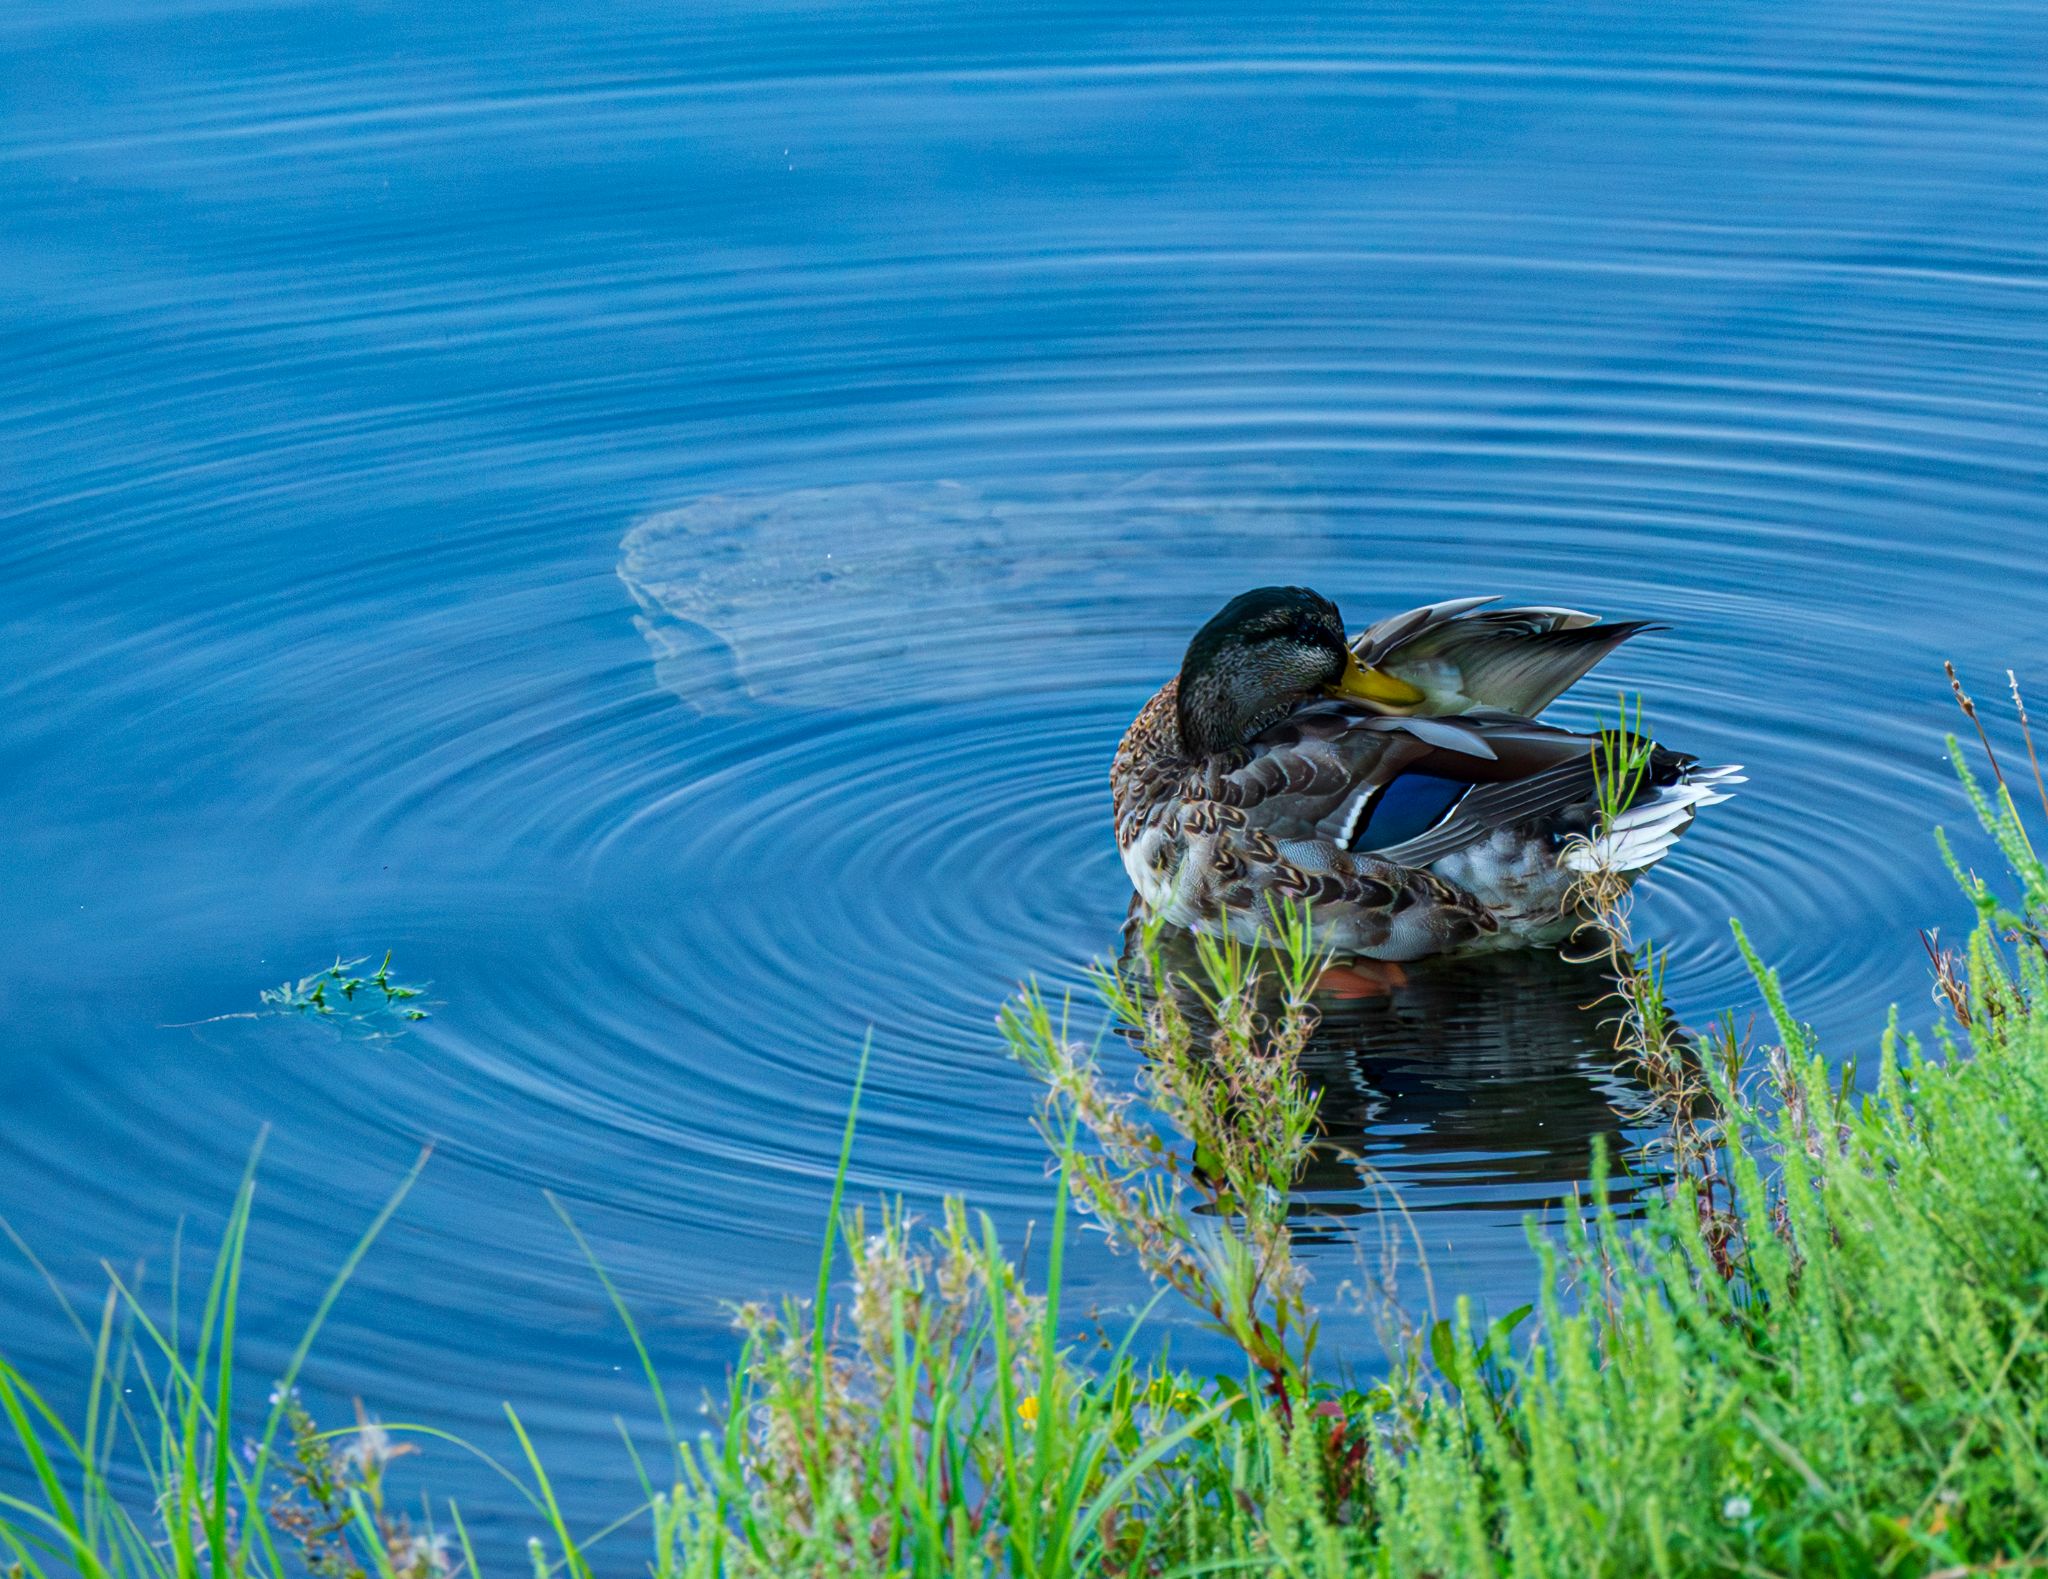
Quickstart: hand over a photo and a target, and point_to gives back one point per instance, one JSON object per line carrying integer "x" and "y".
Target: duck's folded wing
{"x": 1467, "y": 779}
{"x": 1548, "y": 778}
{"x": 1462, "y": 655}
{"x": 1542, "y": 796}
{"x": 1328, "y": 768}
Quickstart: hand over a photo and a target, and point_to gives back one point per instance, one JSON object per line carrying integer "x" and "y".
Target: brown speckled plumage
{"x": 1213, "y": 823}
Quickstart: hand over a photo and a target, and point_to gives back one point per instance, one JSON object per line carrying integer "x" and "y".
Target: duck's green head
{"x": 1264, "y": 654}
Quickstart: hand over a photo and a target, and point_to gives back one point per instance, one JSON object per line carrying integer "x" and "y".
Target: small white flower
{"x": 370, "y": 1449}
{"x": 1735, "y": 1509}
{"x": 422, "y": 1557}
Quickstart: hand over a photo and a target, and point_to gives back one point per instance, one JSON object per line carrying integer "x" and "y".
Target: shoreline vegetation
{"x": 1821, "y": 1349}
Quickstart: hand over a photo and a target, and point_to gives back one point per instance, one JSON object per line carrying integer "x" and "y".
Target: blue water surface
{"x": 659, "y": 514}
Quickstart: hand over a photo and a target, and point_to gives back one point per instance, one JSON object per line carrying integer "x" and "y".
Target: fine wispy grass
{"x": 1825, "y": 1351}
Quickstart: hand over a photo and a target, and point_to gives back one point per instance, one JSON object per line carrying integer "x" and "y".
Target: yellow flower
{"x": 1027, "y": 1411}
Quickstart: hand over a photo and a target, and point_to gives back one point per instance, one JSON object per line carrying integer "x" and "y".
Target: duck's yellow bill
{"x": 1374, "y": 685}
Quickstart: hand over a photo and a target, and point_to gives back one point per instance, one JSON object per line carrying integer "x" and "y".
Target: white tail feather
{"x": 1639, "y": 837}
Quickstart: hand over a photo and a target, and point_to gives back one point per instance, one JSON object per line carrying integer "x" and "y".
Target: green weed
{"x": 340, "y": 992}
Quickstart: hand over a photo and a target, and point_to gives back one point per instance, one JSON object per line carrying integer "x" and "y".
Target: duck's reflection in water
{"x": 1459, "y": 1085}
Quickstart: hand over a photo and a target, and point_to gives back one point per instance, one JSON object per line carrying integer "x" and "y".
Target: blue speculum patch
{"x": 1412, "y": 804}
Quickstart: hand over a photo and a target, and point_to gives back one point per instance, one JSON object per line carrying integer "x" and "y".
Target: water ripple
{"x": 662, "y": 520}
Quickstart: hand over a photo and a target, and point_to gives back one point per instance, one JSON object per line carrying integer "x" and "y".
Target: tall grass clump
{"x": 1824, "y": 1351}
{"x": 1671, "y": 1063}
{"x": 182, "y": 1464}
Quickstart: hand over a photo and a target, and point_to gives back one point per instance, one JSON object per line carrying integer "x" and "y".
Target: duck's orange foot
{"x": 1362, "y": 978}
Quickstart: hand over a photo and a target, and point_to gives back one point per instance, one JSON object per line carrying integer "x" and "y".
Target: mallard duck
{"x": 1398, "y": 783}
